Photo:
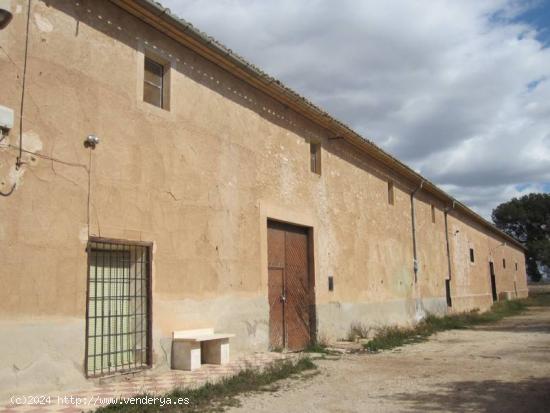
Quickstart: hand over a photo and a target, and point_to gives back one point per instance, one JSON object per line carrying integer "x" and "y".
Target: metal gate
{"x": 290, "y": 287}
{"x": 118, "y": 316}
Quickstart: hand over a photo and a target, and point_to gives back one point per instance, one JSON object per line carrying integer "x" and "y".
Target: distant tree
{"x": 528, "y": 220}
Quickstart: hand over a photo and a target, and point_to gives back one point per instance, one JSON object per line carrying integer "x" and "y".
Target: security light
{"x": 5, "y": 13}
{"x": 91, "y": 141}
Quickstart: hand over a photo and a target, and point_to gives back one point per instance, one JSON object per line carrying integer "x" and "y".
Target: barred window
{"x": 118, "y": 324}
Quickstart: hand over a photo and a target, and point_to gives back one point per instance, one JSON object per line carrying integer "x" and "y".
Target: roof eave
{"x": 160, "y": 18}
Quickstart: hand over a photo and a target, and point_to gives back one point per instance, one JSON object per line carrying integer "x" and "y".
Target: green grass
{"x": 392, "y": 337}
{"x": 316, "y": 348}
{"x": 320, "y": 348}
{"x": 538, "y": 300}
{"x": 214, "y": 397}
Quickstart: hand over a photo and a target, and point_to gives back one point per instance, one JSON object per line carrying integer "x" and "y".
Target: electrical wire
{"x": 18, "y": 162}
{"x": 49, "y": 158}
{"x": 46, "y": 157}
{"x": 9, "y": 192}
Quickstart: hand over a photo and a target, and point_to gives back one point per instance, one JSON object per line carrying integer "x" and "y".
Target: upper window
{"x": 433, "y": 214}
{"x": 516, "y": 266}
{"x": 155, "y": 85}
{"x": 315, "y": 157}
{"x": 472, "y": 257}
{"x": 390, "y": 193}
{"x": 504, "y": 263}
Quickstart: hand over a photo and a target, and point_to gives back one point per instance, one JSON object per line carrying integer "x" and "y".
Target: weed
{"x": 316, "y": 348}
{"x": 213, "y": 397}
{"x": 357, "y": 330}
{"x": 392, "y": 337}
{"x": 538, "y": 300}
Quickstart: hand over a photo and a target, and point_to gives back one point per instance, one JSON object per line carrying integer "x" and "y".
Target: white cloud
{"x": 450, "y": 87}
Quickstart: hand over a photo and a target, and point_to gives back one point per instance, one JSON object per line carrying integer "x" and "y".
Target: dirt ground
{"x": 504, "y": 367}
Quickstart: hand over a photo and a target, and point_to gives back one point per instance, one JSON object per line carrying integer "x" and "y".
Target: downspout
{"x": 448, "y": 280}
{"x": 419, "y": 307}
{"x": 413, "y": 220}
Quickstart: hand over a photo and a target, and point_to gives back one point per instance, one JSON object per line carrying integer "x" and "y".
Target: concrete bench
{"x": 191, "y": 348}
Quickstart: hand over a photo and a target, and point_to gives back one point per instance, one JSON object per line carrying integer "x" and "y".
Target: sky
{"x": 459, "y": 90}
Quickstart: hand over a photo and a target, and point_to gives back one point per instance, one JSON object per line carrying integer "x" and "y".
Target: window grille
{"x": 118, "y": 322}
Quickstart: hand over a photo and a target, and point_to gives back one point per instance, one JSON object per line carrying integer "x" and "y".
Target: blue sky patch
{"x": 538, "y": 16}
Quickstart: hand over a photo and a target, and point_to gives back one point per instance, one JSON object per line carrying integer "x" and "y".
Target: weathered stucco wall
{"x": 199, "y": 181}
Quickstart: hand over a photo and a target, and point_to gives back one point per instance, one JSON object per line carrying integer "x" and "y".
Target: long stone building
{"x": 154, "y": 181}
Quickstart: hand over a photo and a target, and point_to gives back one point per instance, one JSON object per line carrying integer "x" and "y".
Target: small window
{"x": 516, "y": 266}
{"x": 472, "y": 257}
{"x": 433, "y": 214}
{"x": 331, "y": 283}
{"x": 504, "y": 263}
{"x": 154, "y": 84}
{"x": 315, "y": 157}
{"x": 390, "y": 193}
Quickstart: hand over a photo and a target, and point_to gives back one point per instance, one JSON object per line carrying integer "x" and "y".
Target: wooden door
{"x": 493, "y": 281}
{"x": 290, "y": 286}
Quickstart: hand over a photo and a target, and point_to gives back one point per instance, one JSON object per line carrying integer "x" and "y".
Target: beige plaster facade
{"x": 199, "y": 181}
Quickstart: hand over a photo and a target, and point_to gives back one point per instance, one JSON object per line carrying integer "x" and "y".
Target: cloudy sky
{"x": 457, "y": 89}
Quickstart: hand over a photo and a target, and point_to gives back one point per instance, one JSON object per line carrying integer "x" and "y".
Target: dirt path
{"x": 500, "y": 368}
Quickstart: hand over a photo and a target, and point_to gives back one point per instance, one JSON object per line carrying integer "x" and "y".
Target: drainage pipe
{"x": 413, "y": 220}
{"x": 448, "y": 280}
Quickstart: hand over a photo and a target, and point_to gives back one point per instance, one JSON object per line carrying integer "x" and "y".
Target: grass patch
{"x": 538, "y": 300}
{"x": 392, "y": 337}
{"x": 214, "y": 397}
{"x": 322, "y": 350}
{"x": 317, "y": 348}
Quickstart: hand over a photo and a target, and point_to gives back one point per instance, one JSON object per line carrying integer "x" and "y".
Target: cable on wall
{"x": 18, "y": 161}
{"x": 9, "y": 192}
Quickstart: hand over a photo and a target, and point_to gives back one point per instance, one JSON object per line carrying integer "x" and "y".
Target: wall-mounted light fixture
{"x": 91, "y": 141}
{"x": 5, "y": 13}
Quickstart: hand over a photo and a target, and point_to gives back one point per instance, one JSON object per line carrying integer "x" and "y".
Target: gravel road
{"x": 503, "y": 367}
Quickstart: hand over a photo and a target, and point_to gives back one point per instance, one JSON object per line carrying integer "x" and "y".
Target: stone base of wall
{"x": 48, "y": 354}
{"x": 41, "y": 355}
{"x": 336, "y": 318}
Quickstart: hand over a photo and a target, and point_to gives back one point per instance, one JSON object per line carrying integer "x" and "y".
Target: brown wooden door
{"x": 493, "y": 281}
{"x": 290, "y": 286}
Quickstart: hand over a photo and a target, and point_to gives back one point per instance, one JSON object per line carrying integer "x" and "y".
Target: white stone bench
{"x": 191, "y": 348}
